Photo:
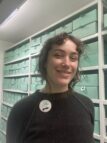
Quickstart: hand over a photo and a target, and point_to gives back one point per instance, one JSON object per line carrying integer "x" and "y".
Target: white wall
{"x": 3, "y": 46}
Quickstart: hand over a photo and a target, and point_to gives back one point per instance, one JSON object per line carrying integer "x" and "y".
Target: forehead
{"x": 68, "y": 46}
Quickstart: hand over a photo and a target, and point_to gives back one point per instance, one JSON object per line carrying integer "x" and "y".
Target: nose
{"x": 66, "y": 61}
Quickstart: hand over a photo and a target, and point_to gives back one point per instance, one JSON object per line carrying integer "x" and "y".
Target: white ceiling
{"x": 36, "y": 15}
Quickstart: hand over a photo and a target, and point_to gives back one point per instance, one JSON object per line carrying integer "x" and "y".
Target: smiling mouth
{"x": 64, "y": 72}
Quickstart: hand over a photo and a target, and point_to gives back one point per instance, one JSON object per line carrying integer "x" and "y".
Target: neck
{"x": 49, "y": 89}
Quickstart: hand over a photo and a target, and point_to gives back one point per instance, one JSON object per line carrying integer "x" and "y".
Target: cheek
{"x": 52, "y": 63}
{"x": 75, "y": 65}
{"x": 50, "y": 66}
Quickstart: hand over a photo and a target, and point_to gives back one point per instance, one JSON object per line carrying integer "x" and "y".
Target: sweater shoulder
{"x": 83, "y": 99}
{"x": 24, "y": 106}
{"x": 86, "y": 103}
{"x": 19, "y": 117}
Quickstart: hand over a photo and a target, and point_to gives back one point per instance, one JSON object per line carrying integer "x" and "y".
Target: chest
{"x": 64, "y": 114}
{"x": 64, "y": 120}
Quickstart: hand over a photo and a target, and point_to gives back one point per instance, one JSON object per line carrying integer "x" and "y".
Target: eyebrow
{"x": 60, "y": 50}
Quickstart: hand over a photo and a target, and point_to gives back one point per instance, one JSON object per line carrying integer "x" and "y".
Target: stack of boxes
{"x": 105, "y": 20}
{"x": 35, "y": 45}
{"x": 90, "y": 55}
{"x": 16, "y": 73}
{"x": 36, "y": 83}
{"x": 88, "y": 85}
{"x": 97, "y": 119}
{"x": 105, "y": 50}
{"x": 21, "y": 67}
{"x": 85, "y": 24}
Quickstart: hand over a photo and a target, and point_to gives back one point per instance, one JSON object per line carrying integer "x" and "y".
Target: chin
{"x": 63, "y": 83}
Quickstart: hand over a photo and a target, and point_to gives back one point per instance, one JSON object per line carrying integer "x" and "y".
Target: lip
{"x": 65, "y": 74}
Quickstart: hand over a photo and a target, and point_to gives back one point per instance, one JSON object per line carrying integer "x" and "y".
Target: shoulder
{"x": 83, "y": 98}
{"x": 85, "y": 101}
{"x": 19, "y": 117}
{"x": 26, "y": 104}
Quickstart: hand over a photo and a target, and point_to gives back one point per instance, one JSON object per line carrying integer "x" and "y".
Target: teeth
{"x": 65, "y": 72}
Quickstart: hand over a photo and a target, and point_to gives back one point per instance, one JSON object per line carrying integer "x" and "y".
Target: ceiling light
{"x": 12, "y": 15}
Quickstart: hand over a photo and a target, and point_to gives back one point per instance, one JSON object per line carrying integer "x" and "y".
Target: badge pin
{"x": 45, "y": 106}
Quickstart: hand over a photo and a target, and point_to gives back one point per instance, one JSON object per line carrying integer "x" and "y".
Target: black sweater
{"x": 66, "y": 117}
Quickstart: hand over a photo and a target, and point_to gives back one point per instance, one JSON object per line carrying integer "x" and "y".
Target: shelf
{"x": 105, "y": 4}
{"x": 89, "y": 68}
{"x": 33, "y": 45}
{"x": 17, "y": 91}
{"x": 105, "y": 139}
{"x": 105, "y": 67}
{"x": 105, "y": 121}
{"x": 96, "y": 101}
{"x": 35, "y": 74}
{"x": 17, "y": 75}
{"x": 105, "y": 102}
{"x": 4, "y": 118}
{"x": 7, "y": 104}
{"x": 92, "y": 64}
{"x": 35, "y": 54}
{"x": 96, "y": 136}
{"x": 104, "y": 32}
{"x": 18, "y": 59}
{"x": 90, "y": 37}
{"x": 4, "y": 133}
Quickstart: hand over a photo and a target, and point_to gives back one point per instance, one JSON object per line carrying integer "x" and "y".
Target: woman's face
{"x": 62, "y": 63}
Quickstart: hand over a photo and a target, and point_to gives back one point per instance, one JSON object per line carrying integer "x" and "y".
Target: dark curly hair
{"x": 49, "y": 44}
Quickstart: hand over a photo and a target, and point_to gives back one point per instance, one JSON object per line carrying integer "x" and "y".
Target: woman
{"x": 56, "y": 113}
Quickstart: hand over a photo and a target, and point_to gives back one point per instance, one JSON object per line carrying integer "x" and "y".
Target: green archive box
{"x": 33, "y": 84}
{"x": 34, "y": 64}
{"x": 90, "y": 91}
{"x": 97, "y": 141}
{"x": 88, "y": 85}
{"x": 24, "y": 87}
{"x": 51, "y": 34}
{"x": 3, "y": 110}
{"x": 86, "y": 30}
{"x": 8, "y": 53}
{"x": 59, "y": 30}
{"x": 90, "y": 55}
{"x": 105, "y": 79}
{"x": 16, "y": 51}
{"x": 36, "y": 41}
{"x": 85, "y": 18}
{"x": 36, "y": 83}
{"x": 105, "y": 107}
{"x": 24, "y": 50}
{"x": 68, "y": 27}
{"x": 36, "y": 48}
{"x": 105, "y": 20}
{"x": 105, "y": 52}
{"x": 5, "y": 70}
{"x": 2, "y": 138}
{"x": 16, "y": 97}
{"x": 3, "y": 125}
{"x": 89, "y": 79}
{"x": 97, "y": 112}
{"x": 97, "y": 127}
{"x": 44, "y": 37}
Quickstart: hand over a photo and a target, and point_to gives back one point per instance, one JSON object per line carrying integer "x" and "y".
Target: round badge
{"x": 45, "y": 106}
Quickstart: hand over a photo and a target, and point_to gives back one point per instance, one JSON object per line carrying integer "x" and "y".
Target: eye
{"x": 58, "y": 55}
{"x": 74, "y": 57}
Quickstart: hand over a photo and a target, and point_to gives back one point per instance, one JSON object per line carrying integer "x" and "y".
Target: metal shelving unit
{"x": 24, "y": 55}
